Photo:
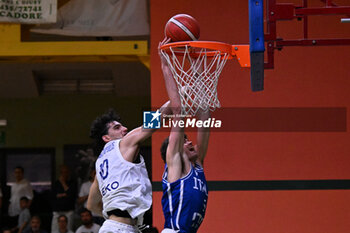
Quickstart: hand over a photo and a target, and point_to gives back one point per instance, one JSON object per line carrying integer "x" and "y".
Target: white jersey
{"x": 123, "y": 185}
{"x": 93, "y": 229}
{"x": 18, "y": 190}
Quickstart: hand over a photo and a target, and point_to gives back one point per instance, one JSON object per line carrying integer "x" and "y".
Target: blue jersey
{"x": 185, "y": 200}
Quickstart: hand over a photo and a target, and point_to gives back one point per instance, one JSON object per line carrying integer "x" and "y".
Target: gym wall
{"x": 268, "y": 182}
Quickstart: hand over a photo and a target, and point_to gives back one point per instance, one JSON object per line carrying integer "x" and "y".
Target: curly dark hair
{"x": 99, "y": 127}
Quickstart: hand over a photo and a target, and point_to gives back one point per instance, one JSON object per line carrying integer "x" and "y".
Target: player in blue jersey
{"x": 185, "y": 192}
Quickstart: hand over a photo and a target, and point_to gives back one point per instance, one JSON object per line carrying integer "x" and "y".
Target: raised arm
{"x": 170, "y": 84}
{"x": 130, "y": 144}
{"x": 202, "y": 137}
{"x": 174, "y": 156}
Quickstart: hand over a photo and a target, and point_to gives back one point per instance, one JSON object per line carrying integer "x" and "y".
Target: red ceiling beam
{"x": 322, "y": 11}
{"x": 288, "y": 11}
{"x": 312, "y": 42}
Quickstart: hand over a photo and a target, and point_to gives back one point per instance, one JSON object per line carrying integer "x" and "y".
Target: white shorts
{"x": 111, "y": 226}
{"x": 167, "y": 230}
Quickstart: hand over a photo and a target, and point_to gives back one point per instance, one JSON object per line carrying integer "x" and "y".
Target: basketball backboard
{"x": 263, "y": 31}
{"x": 257, "y": 44}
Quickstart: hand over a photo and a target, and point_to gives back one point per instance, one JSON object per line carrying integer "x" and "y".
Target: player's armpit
{"x": 174, "y": 163}
{"x": 174, "y": 158}
{"x": 202, "y": 137}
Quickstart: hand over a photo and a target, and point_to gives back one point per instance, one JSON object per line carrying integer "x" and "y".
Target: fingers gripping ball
{"x": 182, "y": 27}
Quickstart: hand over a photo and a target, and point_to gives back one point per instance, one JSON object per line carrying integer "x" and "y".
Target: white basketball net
{"x": 196, "y": 76}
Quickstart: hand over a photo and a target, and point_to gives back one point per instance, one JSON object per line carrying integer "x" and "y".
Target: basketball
{"x": 182, "y": 27}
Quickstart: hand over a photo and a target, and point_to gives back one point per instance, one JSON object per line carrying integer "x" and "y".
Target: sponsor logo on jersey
{"x": 109, "y": 187}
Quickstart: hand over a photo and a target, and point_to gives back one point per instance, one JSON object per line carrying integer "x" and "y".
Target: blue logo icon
{"x": 104, "y": 169}
{"x": 151, "y": 120}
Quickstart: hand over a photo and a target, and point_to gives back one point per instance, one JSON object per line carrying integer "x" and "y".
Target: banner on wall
{"x": 28, "y": 11}
{"x": 99, "y": 18}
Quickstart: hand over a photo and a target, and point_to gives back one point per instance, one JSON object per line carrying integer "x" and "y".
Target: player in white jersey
{"x": 185, "y": 190}
{"x": 121, "y": 190}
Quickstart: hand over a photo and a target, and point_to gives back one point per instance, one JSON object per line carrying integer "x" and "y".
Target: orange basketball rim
{"x": 196, "y": 67}
{"x": 241, "y": 52}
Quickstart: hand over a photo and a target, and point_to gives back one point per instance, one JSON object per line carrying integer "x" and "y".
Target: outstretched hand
{"x": 171, "y": 86}
{"x": 165, "y": 41}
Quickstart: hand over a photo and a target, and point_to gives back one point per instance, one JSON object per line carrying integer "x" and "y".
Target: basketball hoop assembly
{"x": 289, "y": 11}
{"x": 196, "y": 67}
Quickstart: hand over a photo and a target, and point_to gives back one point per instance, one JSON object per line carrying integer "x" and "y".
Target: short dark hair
{"x": 62, "y": 216}
{"x": 20, "y": 168}
{"x": 164, "y": 147}
{"x": 99, "y": 128}
{"x": 37, "y": 218}
{"x": 24, "y": 199}
{"x": 83, "y": 210}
